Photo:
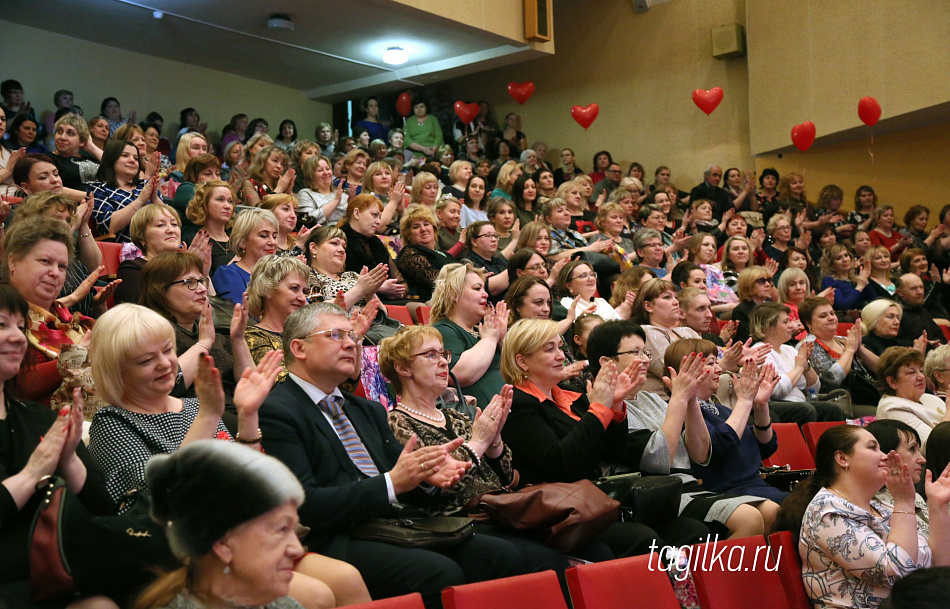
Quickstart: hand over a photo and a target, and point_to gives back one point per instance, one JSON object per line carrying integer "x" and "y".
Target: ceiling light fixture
{"x": 280, "y": 21}
{"x": 395, "y": 56}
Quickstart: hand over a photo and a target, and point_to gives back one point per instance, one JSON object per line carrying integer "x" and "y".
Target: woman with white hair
{"x": 881, "y": 319}
{"x": 937, "y": 370}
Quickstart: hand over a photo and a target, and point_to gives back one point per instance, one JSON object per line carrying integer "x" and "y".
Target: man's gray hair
{"x": 302, "y": 322}
{"x": 709, "y": 168}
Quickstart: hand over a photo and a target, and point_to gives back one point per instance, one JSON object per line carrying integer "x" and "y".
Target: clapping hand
{"x": 208, "y": 388}
{"x": 855, "y": 335}
{"x": 768, "y": 381}
{"x": 101, "y": 299}
{"x": 239, "y": 320}
{"x": 728, "y": 331}
{"x": 256, "y": 383}
{"x": 747, "y": 382}
{"x": 603, "y": 389}
{"x": 938, "y": 491}
{"x": 899, "y": 481}
{"x": 686, "y": 382}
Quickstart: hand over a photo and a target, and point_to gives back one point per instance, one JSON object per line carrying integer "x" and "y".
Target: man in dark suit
{"x": 710, "y": 190}
{"x": 352, "y": 468}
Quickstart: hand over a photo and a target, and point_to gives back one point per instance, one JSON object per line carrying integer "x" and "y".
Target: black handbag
{"x": 424, "y": 532}
{"x": 784, "y": 478}
{"x": 73, "y": 551}
{"x": 646, "y": 500}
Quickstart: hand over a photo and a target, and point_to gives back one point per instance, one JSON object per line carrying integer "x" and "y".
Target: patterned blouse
{"x": 846, "y": 558}
{"x": 325, "y": 287}
{"x": 122, "y": 441}
{"x": 490, "y": 475}
{"x": 261, "y": 342}
{"x": 186, "y": 600}
{"x": 106, "y": 201}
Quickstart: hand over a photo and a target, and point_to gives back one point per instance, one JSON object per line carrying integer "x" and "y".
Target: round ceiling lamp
{"x": 395, "y": 56}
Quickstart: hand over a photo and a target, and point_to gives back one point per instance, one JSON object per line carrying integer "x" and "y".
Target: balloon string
{"x": 871, "y": 145}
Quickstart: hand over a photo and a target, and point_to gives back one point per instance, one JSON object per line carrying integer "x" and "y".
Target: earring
{"x": 227, "y": 569}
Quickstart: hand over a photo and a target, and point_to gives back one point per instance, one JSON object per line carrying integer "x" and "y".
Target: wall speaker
{"x": 728, "y": 41}
{"x": 642, "y": 6}
{"x": 538, "y": 20}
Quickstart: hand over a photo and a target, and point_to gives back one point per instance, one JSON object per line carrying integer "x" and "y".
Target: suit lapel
{"x": 312, "y": 412}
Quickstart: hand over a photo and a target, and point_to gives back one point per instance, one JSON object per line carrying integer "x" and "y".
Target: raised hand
{"x": 556, "y": 270}
{"x": 239, "y": 320}
{"x": 853, "y": 340}
{"x": 152, "y": 163}
{"x": 804, "y": 352}
{"x": 945, "y": 276}
{"x": 286, "y": 181}
{"x": 101, "y": 299}
{"x": 604, "y": 387}
{"x": 938, "y": 491}
{"x": 920, "y": 343}
{"x": 414, "y": 467}
{"x": 488, "y": 424}
{"x": 899, "y": 481}
{"x": 47, "y": 454}
{"x": 370, "y": 281}
{"x": 362, "y": 319}
{"x": 580, "y": 307}
{"x": 515, "y": 229}
{"x": 206, "y": 331}
{"x": 728, "y": 331}
{"x": 631, "y": 380}
{"x": 256, "y": 383}
{"x": 771, "y": 266}
{"x": 747, "y": 382}
{"x": 208, "y": 388}
{"x": 732, "y": 355}
{"x": 768, "y": 381}
{"x": 392, "y": 288}
{"x": 686, "y": 382}
{"x": 625, "y": 309}
{"x": 73, "y": 429}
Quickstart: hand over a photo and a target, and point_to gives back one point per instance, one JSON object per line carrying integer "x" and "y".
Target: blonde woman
{"x": 278, "y": 287}
{"x": 190, "y": 145}
{"x": 880, "y": 283}
{"x": 284, "y": 207}
{"x": 254, "y": 236}
{"x": 507, "y": 175}
{"x": 839, "y": 272}
{"x": 323, "y": 203}
{"x": 471, "y": 328}
{"x": 212, "y": 209}
{"x": 425, "y": 190}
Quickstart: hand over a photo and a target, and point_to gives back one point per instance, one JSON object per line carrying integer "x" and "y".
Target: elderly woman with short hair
{"x": 900, "y": 371}
{"x": 77, "y": 293}
{"x": 754, "y": 286}
{"x": 420, "y": 260}
{"x": 937, "y": 370}
{"x": 460, "y": 172}
{"x": 278, "y": 287}
{"x": 254, "y": 236}
{"x": 881, "y": 320}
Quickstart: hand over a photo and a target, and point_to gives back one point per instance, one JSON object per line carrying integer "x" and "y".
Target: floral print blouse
{"x": 846, "y": 558}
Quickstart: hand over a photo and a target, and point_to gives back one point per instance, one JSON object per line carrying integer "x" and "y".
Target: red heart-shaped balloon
{"x": 869, "y": 111}
{"x": 707, "y": 100}
{"x": 803, "y": 136}
{"x": 585, "y": 115}
{"x": 521, "y": 91}
{"x": 404, "y": 104}
{"x": 466, "y": 112}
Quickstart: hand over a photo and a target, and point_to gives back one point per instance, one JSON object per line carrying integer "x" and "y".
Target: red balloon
{"x": 869, "y": 111}
{"x": 707, "y": 100}
{"x": 803, "y": 136}
{"x": 585, "y": 115}
{"x": 466, "y": 112}
{"x": 404, "y": 104}
{"x": 521, "y": 91}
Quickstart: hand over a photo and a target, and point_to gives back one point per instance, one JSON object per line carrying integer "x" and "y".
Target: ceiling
{"x": 334, "y": 52}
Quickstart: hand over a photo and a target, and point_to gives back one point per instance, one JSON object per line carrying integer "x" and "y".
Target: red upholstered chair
{"x": 946, "y": 332}
{"x": 423, "y": 314}
{"x": 785, "y": 553}
{"x": 409, "y": 601}
{"x": 608, "y": 585}
{"x": 814, "y": 430}
{"x": 531, "y": 591}
{"x": 792, "y": 449}
{"x": 843, "y": 328}
{"x": 739, "y": 577}
{"x": 400, "y": 314}
{"x": 110, "y": 256}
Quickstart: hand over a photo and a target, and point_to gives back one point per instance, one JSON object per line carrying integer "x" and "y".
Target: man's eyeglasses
{"x": 339, "y": 335}
{"x": 433, "y": 355}
{"x": 191, "y": 283}
{"x": 535, "y": 267}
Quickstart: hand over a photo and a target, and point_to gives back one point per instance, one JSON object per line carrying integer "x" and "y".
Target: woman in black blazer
{"x": 561, "y": 436}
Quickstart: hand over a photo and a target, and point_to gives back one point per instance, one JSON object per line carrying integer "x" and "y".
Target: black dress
{"x": 20, "y": 434}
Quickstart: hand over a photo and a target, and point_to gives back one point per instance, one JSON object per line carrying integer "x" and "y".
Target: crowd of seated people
{"x": 567, "y": 326}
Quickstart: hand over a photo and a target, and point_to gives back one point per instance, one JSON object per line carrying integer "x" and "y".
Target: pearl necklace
{"x": 438, "y": 419}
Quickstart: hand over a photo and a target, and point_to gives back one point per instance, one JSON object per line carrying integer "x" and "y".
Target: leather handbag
{"x": 784, "y": 478}
{"x": 647, "y": 500}
{"x": 563, "y": 515}
{"x": 424, "y": 532}
{"x": 73, "y": 551}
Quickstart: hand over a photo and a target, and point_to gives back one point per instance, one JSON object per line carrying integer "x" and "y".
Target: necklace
{"x": 842, "y": 495}
{"x": 438, "y": 419}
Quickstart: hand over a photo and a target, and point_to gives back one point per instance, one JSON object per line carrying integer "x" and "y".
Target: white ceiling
{"x": 334, "y": 52}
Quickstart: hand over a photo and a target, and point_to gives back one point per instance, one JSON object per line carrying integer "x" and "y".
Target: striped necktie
{"x": 351, "y": 441}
